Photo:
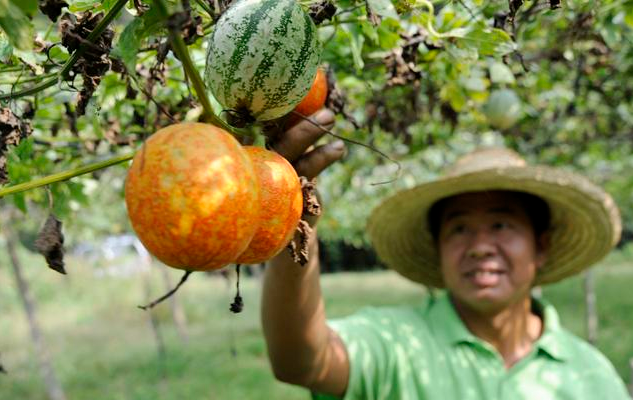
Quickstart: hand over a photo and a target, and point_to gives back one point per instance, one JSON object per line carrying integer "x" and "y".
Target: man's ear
{"x": 543, "y": 242}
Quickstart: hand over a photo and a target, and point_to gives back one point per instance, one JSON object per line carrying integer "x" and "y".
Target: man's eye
{"x": 500, "y": 225}
{"x": 458, "y": 229}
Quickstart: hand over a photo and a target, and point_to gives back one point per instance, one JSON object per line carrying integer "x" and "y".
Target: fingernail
{"x": 324, "y": 117}
{"x": 338, "y": 145}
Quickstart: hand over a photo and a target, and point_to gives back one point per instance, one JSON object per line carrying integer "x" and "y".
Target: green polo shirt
{"x": 426, "y": 352}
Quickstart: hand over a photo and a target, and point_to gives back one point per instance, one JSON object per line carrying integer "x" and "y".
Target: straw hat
{"x": 585, "y": 222}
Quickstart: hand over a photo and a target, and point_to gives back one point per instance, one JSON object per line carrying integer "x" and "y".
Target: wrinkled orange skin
{"x": 192, "y": 197}
{"x": 281, "y": 203}
{"x": 314, "y": 100}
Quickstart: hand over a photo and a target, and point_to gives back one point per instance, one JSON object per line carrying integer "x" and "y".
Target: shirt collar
{"x": 551, "y": 341}
{"x": 450, "y": 328}
{"x": 446, "y": 322}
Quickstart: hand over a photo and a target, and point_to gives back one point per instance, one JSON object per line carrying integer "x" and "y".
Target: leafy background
{"x": 415, "y": 86}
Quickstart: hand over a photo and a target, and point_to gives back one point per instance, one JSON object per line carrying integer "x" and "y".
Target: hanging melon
{"x": 262, "y": 58}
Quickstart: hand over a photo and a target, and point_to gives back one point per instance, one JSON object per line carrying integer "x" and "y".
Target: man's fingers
{"x": 295, "y": 141}
{"x": 312, "y": 163}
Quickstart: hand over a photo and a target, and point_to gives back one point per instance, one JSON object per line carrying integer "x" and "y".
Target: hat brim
{"x": 585, "y": 222}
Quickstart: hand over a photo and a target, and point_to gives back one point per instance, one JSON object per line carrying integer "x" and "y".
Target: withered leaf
{"x": 298, "y": 247}
{"x": 321, "y": 11}
{"x": 311, "y": 204}
{"x": 50, "y": 244}
{"x": 52, "y": 8}
{"x": 12, "y": 131}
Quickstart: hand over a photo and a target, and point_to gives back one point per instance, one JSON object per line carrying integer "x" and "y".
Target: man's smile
{"x": 485, "y": 274}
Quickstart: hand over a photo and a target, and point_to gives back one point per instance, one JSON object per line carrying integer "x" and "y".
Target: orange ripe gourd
{"x": 314, "y": 100}
{"x": 192, "y": 196}
{"x": 281, "y": 203}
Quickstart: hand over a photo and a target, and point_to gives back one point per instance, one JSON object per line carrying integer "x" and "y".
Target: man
{"x": 488, "y": 231}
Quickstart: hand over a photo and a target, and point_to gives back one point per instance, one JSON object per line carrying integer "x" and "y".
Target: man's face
{"x": 488, "y": 250}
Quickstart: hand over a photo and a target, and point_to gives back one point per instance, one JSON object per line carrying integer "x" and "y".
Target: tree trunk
{"x": 591, "y": 315}
{"x": 53, "y": 387}
{"x": 178, "y": 314}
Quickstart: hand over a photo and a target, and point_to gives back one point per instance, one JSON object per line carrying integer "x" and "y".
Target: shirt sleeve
{"x": 602, "y": 379}
{"x": 369, "y": 344}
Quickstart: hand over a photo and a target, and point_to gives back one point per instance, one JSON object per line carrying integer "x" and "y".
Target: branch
{"x": 472, "y": 14}
{"x": 27, "y": 79}
{"x": 360, "y": 18}
{"x": 431, "y": 11}
{"x": 65, "y": 175}
{"x": 180, "y": 50}
{"x": 101, "y": 26}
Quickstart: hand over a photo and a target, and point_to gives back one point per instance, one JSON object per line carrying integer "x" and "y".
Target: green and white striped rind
{"x": 262, "y": 57}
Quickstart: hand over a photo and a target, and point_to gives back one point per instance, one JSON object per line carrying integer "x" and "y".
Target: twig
{"x": 360, "y": 18}
{"x": 349, "y": 10}
{"x": 50, "y": 199}
{"x": 27, "y": 79}
{"x": 168, "y": 294}
{"x": 514, "y": 5}
{"x": 151, "y": 98}
{"x": 12, "y": 69}
{"x": 473, "y": 16}
{"x": 310, "y": 120}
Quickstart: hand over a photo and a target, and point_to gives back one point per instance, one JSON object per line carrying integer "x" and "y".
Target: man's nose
{"x": 482, "y": 245}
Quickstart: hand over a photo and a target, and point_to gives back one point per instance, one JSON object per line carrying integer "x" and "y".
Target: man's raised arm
{"x": 302, "y": 349}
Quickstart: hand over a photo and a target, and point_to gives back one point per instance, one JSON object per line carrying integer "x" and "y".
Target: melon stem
{"x": 168, "y": 294}
{"x": 180, "y": 50}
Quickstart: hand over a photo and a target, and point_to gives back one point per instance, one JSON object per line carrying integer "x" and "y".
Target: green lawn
{"x": 103, "y": 347}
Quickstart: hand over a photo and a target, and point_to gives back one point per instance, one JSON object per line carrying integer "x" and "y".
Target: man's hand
{"x": 302, "y": 349}
{"x": 297, "y": 145}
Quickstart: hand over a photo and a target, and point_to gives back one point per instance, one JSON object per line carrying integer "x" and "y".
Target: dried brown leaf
{"x": 50, "y": 244}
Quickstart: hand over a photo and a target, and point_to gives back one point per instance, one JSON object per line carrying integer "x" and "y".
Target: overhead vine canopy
{"x": 84, "y": 82}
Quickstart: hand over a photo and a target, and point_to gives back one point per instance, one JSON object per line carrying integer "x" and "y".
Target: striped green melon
{"x": 262, "y": 58}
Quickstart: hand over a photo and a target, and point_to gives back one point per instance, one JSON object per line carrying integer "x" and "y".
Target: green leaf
{"x": 24, "y": 150}
{"x": 133, "y": 35}
{"x": 17, "y": 26}
{"x": 456, "y": 33}
{"x": 6, "y": 50}
{"x": 628, "y": 18}
{"x": 357, "y": 40}
{"x": 76, "y": 190}
{"x": 384, "y": 8}
{"x": 369, "y": 31}
{"x": 129, "y": 44}
{"x": 83, "y": 5}
{"x": 20, "y": 202}
{"x": 388, "y": 33}
{"x": 454, "y": 95}
{"x": 487, "y": 41}
{"x": 29, "y": 7}
{"x": 32, "y": 59}
{"x": 500, "y": 73}
{"x": 611, "y": 35}
{"x": 474, "y": 84}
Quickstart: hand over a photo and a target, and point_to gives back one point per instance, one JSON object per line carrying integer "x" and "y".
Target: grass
{"x": 102, "y": 346}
